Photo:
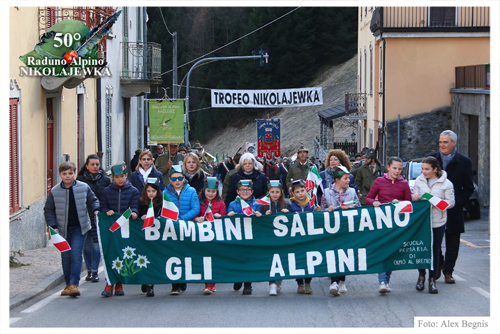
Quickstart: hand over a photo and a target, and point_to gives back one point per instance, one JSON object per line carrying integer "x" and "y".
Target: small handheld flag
{"x": 150, "y": 217}
{"x": 266, "y": 200}
{"x": 350, "y": 202}
{"x": 312, "y": 183}
{"x": 402, "y": 207}
{"x": 247, "y": 209}
{"x": 208, "y": 214}
{"x": 169, "y": 210}
{"x": 436, "y": 201}
{"x": 59, "y": 241}
{"x": 120, "y": 221}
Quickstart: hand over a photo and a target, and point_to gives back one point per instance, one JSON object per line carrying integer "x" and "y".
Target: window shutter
{"x": 14, "y": 204}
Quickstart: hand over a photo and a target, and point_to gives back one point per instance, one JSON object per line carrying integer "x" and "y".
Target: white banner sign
{"x": 267, "y": 98}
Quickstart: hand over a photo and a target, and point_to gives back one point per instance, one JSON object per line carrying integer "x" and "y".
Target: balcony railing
{"x": 141, "y": 61}
{"x": 91, "y": 16}
{"x": 431, "y": 18}
{"x": 355, "y": 105}
{"x": 472, "y": 77}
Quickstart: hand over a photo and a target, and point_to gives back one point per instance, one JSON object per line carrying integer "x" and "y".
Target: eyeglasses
{"x": 179, "y": 178}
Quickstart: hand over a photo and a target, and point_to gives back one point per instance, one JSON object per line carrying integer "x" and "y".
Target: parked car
{"x": 413, "y": 168}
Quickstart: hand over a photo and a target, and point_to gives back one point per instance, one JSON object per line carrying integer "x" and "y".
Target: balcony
{"x": 141, "y": 68}
{"x": 355, "y": 106}
{"x": 430, "y": 19}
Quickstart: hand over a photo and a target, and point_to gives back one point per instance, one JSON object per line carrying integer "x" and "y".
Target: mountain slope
{"x": 299, "y": 125}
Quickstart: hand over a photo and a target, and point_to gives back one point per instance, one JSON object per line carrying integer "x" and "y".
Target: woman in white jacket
{"x": 433, "y": 181}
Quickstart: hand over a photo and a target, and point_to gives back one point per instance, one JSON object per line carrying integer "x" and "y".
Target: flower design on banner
{"x": 130, "y": 266}
{"x": 117, "y": 264}
{"x": 142, "y": 261}
{"x": 128, "y": 252}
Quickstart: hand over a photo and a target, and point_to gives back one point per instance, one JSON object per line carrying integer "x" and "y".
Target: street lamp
{"x": 353, "y": 136}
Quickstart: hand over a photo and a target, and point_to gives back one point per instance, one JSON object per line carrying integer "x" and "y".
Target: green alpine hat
{"x": 371, "y": 154}
{"x": 302, "y": 148}
{"x": 247, "y": 183}
{"x": 118, "y": 169}
{"x": 211, "y": 183}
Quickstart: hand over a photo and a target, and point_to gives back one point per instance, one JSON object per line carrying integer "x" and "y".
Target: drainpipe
{"x": 399, "y": 137}
{"x": 99, "y": 121}
{"x": 383, "y": 105}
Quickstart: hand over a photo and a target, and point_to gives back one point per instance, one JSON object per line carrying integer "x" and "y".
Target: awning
{"x": 332, "y": 113}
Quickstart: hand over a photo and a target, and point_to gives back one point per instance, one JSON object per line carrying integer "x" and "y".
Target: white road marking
{"x": 481, "y": 291}
{"x": 13, "y": 320}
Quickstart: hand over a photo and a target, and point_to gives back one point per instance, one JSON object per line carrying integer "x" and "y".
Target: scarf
{"x": 447, "y": 158}
{"x": 144, "y": 173}
{"x": 92, "y": 177}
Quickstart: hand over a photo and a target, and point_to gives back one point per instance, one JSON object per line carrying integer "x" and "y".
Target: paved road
{"x": 361, "y": 306}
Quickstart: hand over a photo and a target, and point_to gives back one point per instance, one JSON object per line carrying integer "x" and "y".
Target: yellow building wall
{"x": 421, "y": 71}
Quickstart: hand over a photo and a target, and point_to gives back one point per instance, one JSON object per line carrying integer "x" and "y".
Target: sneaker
{"x": 150, "y": 291}
{"x": 95, "y": 278}
{"x": 342, "y": 287}
{"x": 388, "y": 288}
{"x": 74, "y": 291}
{"x": 334, "y": 289}
{"x": 247, "y": 289}
{"x": 119, "y": 290}
{"x": 301, "y": 289}
{"x": 237, "y": 286}
{"x": 175, "y": 292}
{"x": 108, "y": 291}
{"x": 212, "y": 287}
{"x": 207, "y": 290}
{"x": 273, "y": 290}
{"x": 65, "y": 292}
{"x": 89, "y": 276}
{"x": 382, "y": 288}
{"x": 308, "y": 289}
{"x": 144, "y": 288}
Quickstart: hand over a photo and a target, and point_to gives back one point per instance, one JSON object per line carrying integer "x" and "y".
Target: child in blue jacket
{"x": 245, "y": 193}
{"x": 186, "y": 199}
{"x": 117, "y": 198}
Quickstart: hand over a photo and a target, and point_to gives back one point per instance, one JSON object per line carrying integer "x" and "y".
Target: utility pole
{"x": 186, "y": 123}
{"x": 174, "y": 76}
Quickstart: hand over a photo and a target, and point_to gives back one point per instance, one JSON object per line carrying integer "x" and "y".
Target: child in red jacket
{"x": 210, "y": 195}
{"x": 391, "y": 187}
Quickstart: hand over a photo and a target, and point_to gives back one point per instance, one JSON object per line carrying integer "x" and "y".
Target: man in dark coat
{"x": 300, "y": 169}
{"x": 224, "y": 167}
{"x": 459, "y": 170}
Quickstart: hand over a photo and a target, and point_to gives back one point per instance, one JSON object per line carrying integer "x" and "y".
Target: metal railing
{"x": 144, "y": 61}
{"x": 431, "y": 17}
{"x": 355, "y": 104}
{"x": 475, "y": 76}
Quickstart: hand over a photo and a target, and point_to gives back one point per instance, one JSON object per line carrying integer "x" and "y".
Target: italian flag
{"x": 120, "y": 221}
{"x": 208, "y": 214}
{"x": 436, "y": 201}
{"x": 169, "y": 210}
{"x": 313, "y": 181}
{"x": 247, "y": 209}
{"x": 403, "y": 207}
{"x": 150, "y": 217}
{"x": 59, "y": 241}
{"x": 266, "y": 200}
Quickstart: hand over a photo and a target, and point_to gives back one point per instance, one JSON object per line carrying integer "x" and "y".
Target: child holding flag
{"x": 339, "y": 195}
{"x": 434, "y": 186}
{"x": 391, "y": 187}
{"x": 300, "y": 202}
{"x": 244, "y": 204}
{"x": 274, "y": 202}
{"x": 185, "y": 198}
{"x": 211, "y": 205}
{"x": 151, "y": 197}
{"x": 66, "y": 213}
{"x": 118, "y": 197}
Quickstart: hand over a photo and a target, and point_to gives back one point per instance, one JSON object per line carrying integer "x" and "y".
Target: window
{"x": 366, "y": 69}
{"x": 139, "y": 23}
{"x": 381, "y": 66}
{"x": 14, "y": 203}
{"x": 442, "y": 16}
{"x": 108, "y": 130}
{"x": 139, "y": 122}
{"x": 371, "y": 69}
{"x": 125, "y": 73}
{"x": 361, "y": 13}
{"x": 360, "y": 68}
{"x": 366, "y": 11}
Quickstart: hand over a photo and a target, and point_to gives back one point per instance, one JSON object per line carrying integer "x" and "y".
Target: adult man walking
{"x": 368, "y": 173}
{"x": 300, "y": 169}
{"x": 459, "y": 170}
{"x": 165, "y": 162}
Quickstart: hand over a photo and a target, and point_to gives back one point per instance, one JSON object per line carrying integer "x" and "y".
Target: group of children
{"x": 121, "y": 194}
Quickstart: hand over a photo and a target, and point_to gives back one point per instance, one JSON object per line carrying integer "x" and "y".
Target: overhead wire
{"x": 165, "y": 23}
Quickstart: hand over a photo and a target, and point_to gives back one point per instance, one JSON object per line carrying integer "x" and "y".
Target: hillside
{"x": 299, "y": 125}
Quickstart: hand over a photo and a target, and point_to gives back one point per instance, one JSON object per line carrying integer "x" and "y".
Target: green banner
{"x": 166, "y": 121}
{"x": 282, "y": 246}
